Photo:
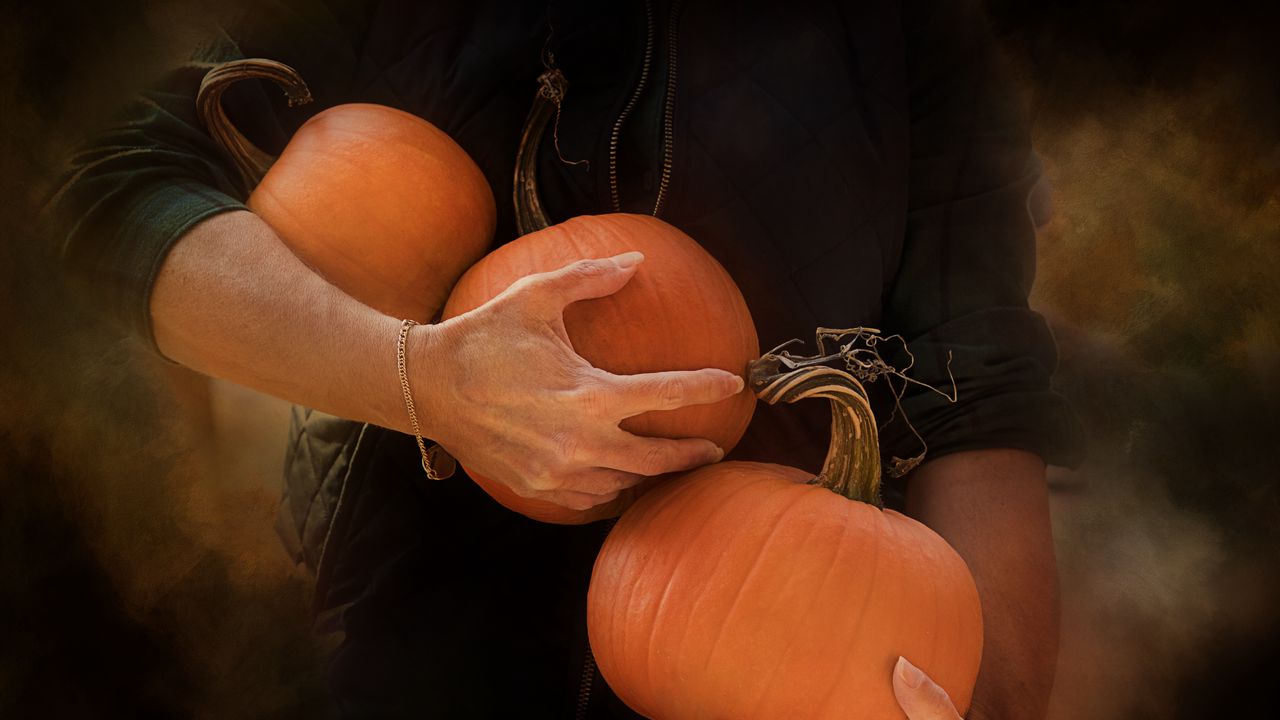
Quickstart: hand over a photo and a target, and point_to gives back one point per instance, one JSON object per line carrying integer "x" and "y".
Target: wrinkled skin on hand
{"x": 512, "y": 401}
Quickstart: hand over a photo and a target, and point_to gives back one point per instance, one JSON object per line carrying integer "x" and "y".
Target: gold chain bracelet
{"x": 436, "y": 461}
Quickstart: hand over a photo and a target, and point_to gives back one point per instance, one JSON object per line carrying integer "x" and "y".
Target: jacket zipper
{"x": 614, "y": 136}
{"x": 668, "y": 108}
{"x": 589, "y": 661}
{"x": 584, "y": 686}
{"x": 664, "y": 184}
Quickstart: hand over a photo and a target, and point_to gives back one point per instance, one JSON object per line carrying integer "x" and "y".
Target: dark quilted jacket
{"x": 849, "y": 163}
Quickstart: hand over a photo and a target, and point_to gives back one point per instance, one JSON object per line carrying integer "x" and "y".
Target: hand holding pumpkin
{"x": 505, "y": 392}
{"x": 920, "y": 697}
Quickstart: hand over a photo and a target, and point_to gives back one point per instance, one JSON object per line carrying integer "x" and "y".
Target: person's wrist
{"x": 423, "y": 358}
{"x": 379, "y": 399}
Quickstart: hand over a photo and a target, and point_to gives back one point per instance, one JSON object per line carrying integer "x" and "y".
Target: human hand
{"x": 511, "y": 400}
{"x": 920, "y": 697}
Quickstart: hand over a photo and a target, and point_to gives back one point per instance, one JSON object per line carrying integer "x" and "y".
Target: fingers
{"x": 657, "y": 456}
{"x": 576, "y": 491}
{"x": 593, "y": 480}
{"x": 635, "y": 394}
{"x": 578, "y": 500}
{"x": 920, "y": 697}
{"x": 583, "y": 490}
{"x": 581, "y": 280}
{"x": 604, "y": 481}
{"x": 608, "y": 461}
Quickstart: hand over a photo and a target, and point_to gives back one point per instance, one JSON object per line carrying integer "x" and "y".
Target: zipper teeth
{"x": 584, "y": 689}
{"x": 668, "y": 108}
{"x": 614, "y": 199}
{"x": 589, "y": 662}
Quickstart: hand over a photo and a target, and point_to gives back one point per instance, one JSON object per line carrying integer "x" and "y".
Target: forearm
{"x": 499, "y": 386}
{"x": 232, "y": 301}
{"x": 992, "y": 507}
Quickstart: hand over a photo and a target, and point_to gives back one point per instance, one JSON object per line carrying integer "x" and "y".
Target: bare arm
{"x": 232, "y": 301}
{"x": 993, "y": 507}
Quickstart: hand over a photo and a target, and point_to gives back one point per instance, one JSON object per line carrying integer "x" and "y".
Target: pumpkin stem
{"x": 250, "y": 161}
{"x": 530, "y": 216}
{"x": 852, "y": 467}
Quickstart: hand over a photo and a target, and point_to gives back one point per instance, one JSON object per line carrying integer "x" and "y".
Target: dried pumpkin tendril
{"x": 862, "y": 358}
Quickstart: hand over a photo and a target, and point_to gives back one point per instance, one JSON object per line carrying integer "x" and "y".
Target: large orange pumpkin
{"x": 381, "y": 203}
{"x": 745, "y": 590}
{"x": 680, "y": 311}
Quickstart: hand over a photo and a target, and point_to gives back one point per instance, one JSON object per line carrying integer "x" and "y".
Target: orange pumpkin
{"x": 381, "y": 203}
{"x": 680, "y": 311}
{"x": 746, "y": 590}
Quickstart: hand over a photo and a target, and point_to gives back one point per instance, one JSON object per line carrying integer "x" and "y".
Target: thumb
{"x": 920, "y": 697}
{"x": 583, "y": 280}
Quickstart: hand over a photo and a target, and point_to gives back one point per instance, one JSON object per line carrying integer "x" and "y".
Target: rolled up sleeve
{"x": 152, "y": 172}
{"x": 135, "y": 188}
{"x": 960, "y": 295}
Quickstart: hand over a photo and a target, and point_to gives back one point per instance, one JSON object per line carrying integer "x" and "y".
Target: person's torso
{"x": 775, "y": 135}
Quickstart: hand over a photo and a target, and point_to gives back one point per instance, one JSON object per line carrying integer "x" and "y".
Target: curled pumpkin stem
{"x": 547, "y": 101}
{"x": 852, "y": 467}
{"x": 251, "y": 162}
{"x": 864, "y": 363}
{"x": 530, "y": 216}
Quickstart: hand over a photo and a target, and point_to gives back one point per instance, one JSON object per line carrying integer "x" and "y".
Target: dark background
{"x": 138, "y": 573}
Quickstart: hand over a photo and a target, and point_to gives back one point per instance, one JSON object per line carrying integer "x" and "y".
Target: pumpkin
{"x": 748, "y": 590}
{"x": 380, "y": 202}
{"x": 680, "y": 311}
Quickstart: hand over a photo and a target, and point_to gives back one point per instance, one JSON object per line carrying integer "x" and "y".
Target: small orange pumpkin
{"x": 747, "y": 590}
{"x": 680, "y": 311}
{"x": 378, "y": 201}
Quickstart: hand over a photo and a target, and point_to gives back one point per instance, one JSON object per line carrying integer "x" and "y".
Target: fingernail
{"x": 910, "y": 674}
{"x": 629, "y": 259}
{"x": 719, "y": 454}
{"x": 738, "y": 384}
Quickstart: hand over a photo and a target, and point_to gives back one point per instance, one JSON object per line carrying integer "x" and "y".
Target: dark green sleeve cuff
{"x": 121, "y": 270}
{"x": 162, "y": 218}
{"x": 1002, "y": 360}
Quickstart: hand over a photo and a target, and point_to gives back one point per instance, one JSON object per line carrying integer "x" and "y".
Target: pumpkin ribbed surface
{"x": 382, "y": 204}
{"x": 749, "y": 590}
{"x": 680, "y": 311}
{"x": 738, "y": 591}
